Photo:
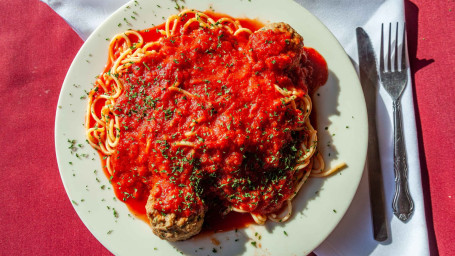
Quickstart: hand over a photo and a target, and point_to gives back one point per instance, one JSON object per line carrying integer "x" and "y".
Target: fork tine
{"x": 395, "y": 62}
{"x": 403, "y": 49}
{"x": 389, "y": 49}
{"x": 381, "y": 57}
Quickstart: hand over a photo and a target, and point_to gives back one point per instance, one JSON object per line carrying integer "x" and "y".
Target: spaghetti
{"x": 203, "y": 109}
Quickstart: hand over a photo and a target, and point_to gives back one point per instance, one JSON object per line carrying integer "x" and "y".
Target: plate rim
{"x": 100, "y": 28}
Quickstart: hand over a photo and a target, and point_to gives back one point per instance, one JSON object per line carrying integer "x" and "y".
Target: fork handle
{"x": 403, "y": 205}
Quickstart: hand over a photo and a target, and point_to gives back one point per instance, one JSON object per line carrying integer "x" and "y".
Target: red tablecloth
{"x": 37, "y": 47}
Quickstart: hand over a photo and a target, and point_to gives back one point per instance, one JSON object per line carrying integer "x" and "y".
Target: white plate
{"x": 319, "y": 206}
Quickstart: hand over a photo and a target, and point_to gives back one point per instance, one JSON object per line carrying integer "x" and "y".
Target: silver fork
{"x": 394, "y": 81}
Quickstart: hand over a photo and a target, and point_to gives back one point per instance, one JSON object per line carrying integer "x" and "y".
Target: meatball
{"x": 171, "y": 226}
{"x": 278, "y": 45}
{"x": 295, "y": 41}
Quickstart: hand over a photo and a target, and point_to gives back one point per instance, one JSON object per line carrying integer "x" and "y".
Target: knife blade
{"x": 370, "y": 86}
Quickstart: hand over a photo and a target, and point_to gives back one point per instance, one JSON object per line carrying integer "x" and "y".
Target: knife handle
{"x": 403, "y": 205}
{"x": 376, "y": 186}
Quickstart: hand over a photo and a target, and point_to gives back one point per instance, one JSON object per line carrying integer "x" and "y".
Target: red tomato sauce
{"x": 243, "y": 143}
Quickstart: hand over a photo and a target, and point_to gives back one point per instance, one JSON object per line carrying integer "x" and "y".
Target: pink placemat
{"x": 37, "y": 48}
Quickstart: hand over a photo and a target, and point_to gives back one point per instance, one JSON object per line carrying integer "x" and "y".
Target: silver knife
{"x": 370, "y": 85}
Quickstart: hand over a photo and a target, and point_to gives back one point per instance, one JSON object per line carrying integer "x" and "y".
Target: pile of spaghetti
{"x": 207, "y": 112}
